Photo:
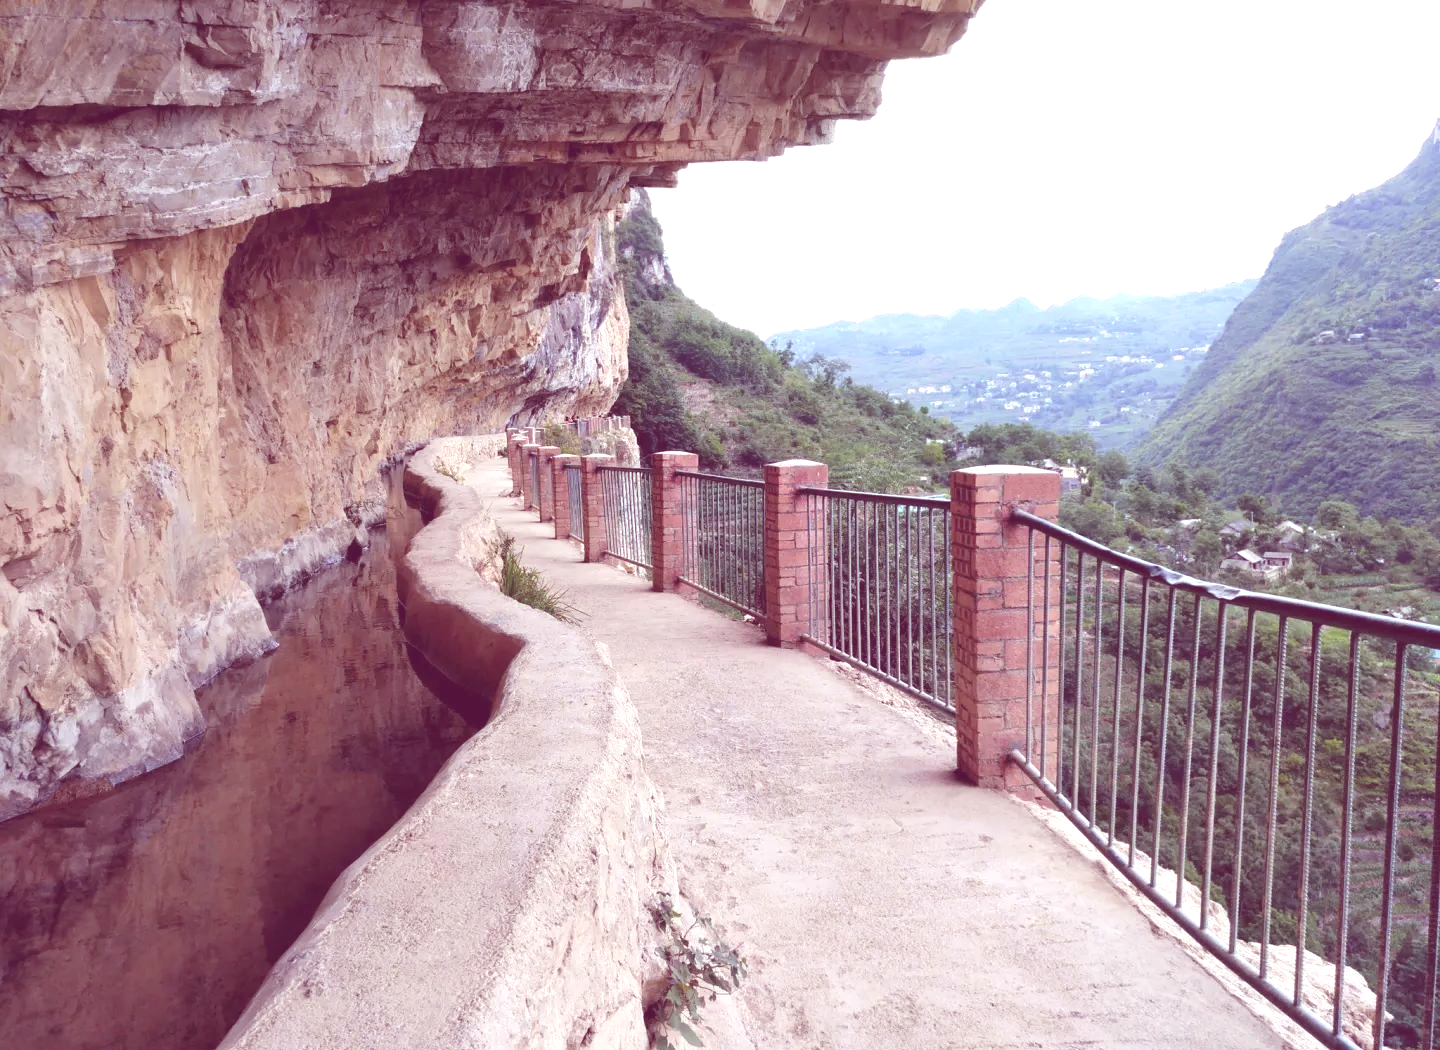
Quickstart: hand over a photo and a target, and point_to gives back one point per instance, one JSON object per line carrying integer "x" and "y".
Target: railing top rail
{"x": 751, "y": 482}
{"x": 627, "y": 470}
{"x": 878, "y": 497}
{"x": 1407, "y": 631}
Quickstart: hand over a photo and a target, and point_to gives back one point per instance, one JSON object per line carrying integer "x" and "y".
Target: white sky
{"x": 1067, "y": 148}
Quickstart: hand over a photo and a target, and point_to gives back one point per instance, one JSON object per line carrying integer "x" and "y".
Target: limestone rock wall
{"x": 252, "y": 250}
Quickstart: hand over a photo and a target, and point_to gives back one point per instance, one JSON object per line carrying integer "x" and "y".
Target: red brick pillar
{"x": 788, "y": 534}
{"x": 514, "y": 440}
{"x": 546, "y": 498}
{"x": 595, "y": 538}
{"x": 561, "y": 484}
{"x": 993, "y": 633}
{"x": 527, "y": 498}
{"x": 667, "y": 514}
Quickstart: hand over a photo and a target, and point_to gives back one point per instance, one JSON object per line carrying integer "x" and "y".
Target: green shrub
{"x": 527, "y": 585}
{"x": 558, "y": 435}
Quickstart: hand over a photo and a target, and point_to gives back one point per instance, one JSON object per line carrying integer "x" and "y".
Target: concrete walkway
{"x": 880, "y": 902}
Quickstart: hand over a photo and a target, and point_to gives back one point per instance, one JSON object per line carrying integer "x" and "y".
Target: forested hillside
{"x": 699, "y": 384}
{"x": 1322, "y": 384}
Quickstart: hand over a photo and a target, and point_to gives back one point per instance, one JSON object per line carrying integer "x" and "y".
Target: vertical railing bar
{"x": 1079, "y": 675}
{"x": 1242, "y": 778}
{"x": 811, "y": 590}
{"x": 1183, "y": 845}
{"x": 1427, "y": 1037}
{"x": 844, "y": 577}
{"x": 867, "y": 568}
{"x": 1432, "y": 944}
{"x": 1045, "y": 662}
{"x": 1164, "y": 740}
{"x": 1347, "y": 820}
{"x": 1095, "y": 695}
{"x": 1029, "y": 642}
{"x": 1060, "y": 676}
{"x": 1387, "y": 898}
{"x": 1272, "y": 815}
{"x": 859, "y": 582}
{"x": 1115, "y": 710}
{"x": 947, "y": 621}
{"x": 877, "y": 597}
{"x": 897, "y": 588}
{"x": 885, "y": 651}
{"x": 1307, "y": 822}
{"x": 911, "y": 586}
{"x": 1144, "y": 641}
{"x": 723, "y": 542}
{"x": 694, "y": 529}
{"x": 735, "y": 534}
{"x": 864, "y": 569}
{"x": 1217, "y": 694}
{"x": 926, "y": 570}
{"x": 887, "y": 618}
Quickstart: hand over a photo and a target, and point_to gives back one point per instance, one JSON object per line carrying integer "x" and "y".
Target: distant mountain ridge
{"x": 1111, "y": 365}
{"x": 1323, "y": 382}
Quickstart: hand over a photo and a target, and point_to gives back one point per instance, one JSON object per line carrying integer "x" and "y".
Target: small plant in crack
{"x": 527, "y": 585}
{"x": 699, "y": 966}
{"x": 453, "y": 471}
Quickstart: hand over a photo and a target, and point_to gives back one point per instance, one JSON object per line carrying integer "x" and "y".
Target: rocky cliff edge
{"x": 253, "y": 250}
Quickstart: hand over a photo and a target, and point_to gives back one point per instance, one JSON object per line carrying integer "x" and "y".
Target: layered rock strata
{"x": 252, "y": 250}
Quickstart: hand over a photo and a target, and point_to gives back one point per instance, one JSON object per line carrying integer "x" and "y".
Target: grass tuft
{"x": 527, "y": 585}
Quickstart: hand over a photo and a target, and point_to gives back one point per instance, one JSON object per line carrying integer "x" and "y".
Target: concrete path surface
{"x": 880, "y": 902}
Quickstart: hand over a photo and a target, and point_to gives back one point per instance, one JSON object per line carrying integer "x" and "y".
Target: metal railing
{"x": 577, "y": 508}
{"x": 1266, "y": 748}
{"x": 880, "y": 587}
{"x": 533, "y": 502}
{"x": 625, "y": 499}
{"x": 722, "y": 544}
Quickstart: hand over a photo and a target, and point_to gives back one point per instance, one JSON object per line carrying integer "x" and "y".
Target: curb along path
{"x": 879, "y": 902}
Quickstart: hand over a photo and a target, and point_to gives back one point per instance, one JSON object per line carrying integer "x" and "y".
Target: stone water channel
{"x": 148, "y": 916}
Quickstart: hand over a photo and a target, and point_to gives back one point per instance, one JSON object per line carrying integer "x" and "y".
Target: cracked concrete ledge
{"x": 508, "y": 906}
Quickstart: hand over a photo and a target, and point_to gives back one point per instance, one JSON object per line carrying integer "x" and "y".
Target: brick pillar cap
{"x": 796, "y": 463}
{"x": 1002, "y": 469}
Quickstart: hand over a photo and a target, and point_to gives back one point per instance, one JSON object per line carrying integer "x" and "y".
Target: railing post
{"x": 667, "y": 514}
{"x": 514, "y": 441}
{"x": 546, "y": 499}
{"x": 993, "y": 635}
{"x": 791, "y": 525}
{"x": 528, "y": 499}
{"x": 595, "y": 537}
{"x": 561, "y": 483}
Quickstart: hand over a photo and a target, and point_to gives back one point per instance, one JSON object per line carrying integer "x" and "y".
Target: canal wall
{"x": 508, "y": 907}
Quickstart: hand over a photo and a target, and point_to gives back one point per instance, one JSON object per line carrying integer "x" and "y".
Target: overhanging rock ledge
{"x": 253, "y": 250}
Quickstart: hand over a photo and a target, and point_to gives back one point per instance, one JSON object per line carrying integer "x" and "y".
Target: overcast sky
{"x": 1063, "y": 149}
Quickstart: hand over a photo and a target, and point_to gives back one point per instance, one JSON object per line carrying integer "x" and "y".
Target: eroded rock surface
{"x": 251, "y": 250}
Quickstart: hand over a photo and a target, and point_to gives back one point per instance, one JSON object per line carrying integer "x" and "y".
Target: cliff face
{"x": 252, "y": 250}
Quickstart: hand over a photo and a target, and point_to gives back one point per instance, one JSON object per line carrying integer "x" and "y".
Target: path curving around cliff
{"x": 880, "y": 902}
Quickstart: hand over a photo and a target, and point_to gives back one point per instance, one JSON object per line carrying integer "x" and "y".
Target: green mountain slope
{"x": 1109, "y": 366}
{"x": 699, "y": 384}
{"x": 1323, "y": 382}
